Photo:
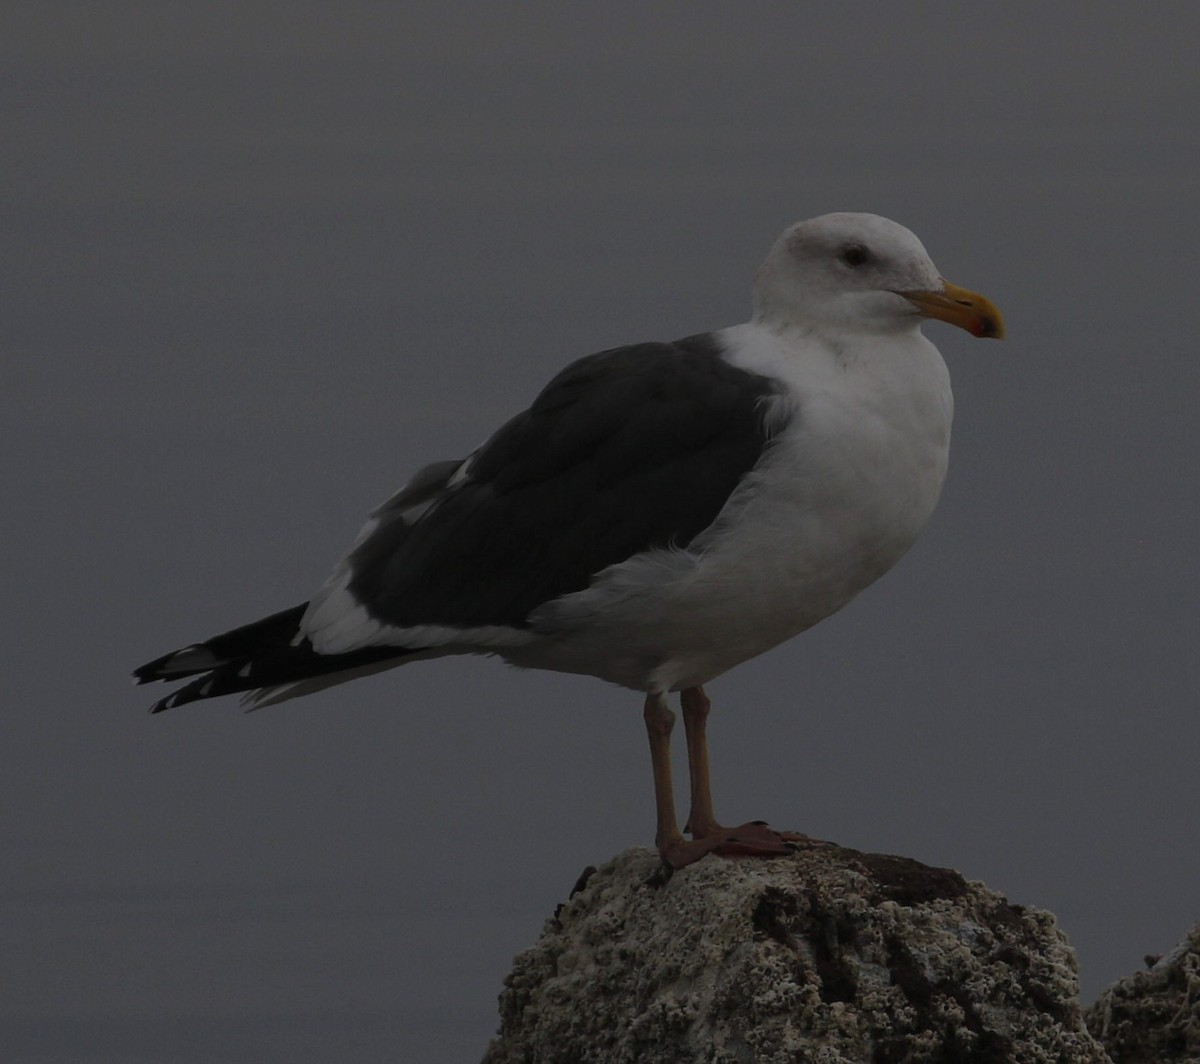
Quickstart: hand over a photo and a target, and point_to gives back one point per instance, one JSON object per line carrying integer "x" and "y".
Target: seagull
{"x": 661, "y": 513}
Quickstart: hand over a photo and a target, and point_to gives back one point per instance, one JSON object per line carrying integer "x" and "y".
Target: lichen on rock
{"x": 829, "y": 955}
{"x": 1154, "y": 1015}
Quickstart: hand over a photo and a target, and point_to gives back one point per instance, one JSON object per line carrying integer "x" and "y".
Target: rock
{"x": 829, "y": 956}
{"x": 1154, "y": 1015}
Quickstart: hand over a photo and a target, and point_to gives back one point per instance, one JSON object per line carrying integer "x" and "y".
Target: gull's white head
{"x": 861, "y": 273}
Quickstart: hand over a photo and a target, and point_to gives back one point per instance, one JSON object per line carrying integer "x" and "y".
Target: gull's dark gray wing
{"x": 625, "y": 451}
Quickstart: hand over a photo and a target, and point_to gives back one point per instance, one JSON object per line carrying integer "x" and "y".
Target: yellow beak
{"x": 968, "y": 310}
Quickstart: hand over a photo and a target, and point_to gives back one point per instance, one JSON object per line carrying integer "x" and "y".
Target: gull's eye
{"x": 855, "y": 255}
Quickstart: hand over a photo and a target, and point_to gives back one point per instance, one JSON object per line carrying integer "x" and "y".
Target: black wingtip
{"x": 198, "y": 689}
{"x": 188, "y": 661}
{"x": 165, "y": 703}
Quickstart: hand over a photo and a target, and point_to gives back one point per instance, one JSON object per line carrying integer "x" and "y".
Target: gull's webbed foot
{"x": 753, "y": 839}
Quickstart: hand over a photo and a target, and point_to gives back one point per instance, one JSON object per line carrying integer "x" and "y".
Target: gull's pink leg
{"x": 754, "y": 839}
{"x": 701, "y": 822}
{"x": 659, "y": 722}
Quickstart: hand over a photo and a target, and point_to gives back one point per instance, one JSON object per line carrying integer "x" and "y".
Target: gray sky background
{"x": 263, "y": 261}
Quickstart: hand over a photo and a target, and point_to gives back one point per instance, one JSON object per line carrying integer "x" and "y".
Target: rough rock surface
{"x": 1154, "y": 1015}
{"x": 829, "y": 956}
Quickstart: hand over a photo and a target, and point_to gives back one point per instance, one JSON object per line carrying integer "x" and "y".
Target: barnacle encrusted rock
{"x": 826, "y": 956}
{"x": 1154, "y": 1015}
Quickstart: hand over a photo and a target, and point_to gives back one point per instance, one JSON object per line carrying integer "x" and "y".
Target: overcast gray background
{"x": 261, "y": 262}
